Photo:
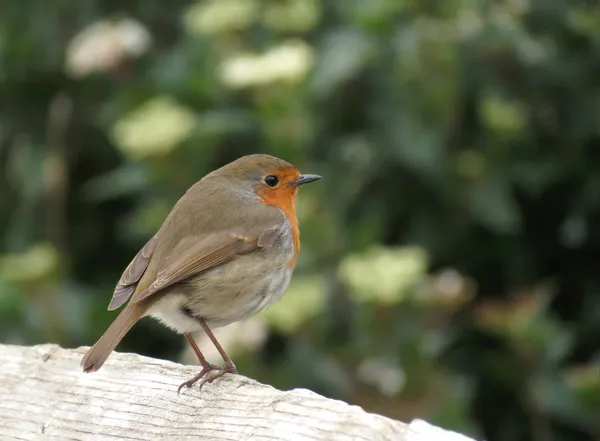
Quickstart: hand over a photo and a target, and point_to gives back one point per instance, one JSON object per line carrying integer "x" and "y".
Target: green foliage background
{"x": 451, "y": 256}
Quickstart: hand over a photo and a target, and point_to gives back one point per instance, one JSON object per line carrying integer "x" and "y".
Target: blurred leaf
{"x": 13, "y": 303}
{"x": 572, "y": 395}
{"x": 375, "y": 13}
{"x": 447, "y": 288}
{"x": 452, "y": 413}
{"x": 506, "y": 118}
{"x": 104, "y": 45}
{"x": 383, "y": 274}
{"x": 574, "y": 231}
{"x": 419, "y": 148}
{"x": 288, "y": 62}
{"x": 538, "y": 176}
{"x": 144, "y": 221}
{"x": 302, "y": 301}
{"x": 470, "y": 164}
{"x": 585, "y": 18}
{"x": 123, "y": 181}
{"x": 217, "y": 16}
{"x": 344, "y": 53}
{"x": 219, "y": 123}
{"x": 387, "y": 377}
{"x": 37, "y": 263}
{"x": 585, "y": 383}
{"x": 492, "y": 204}
{"x": 292, "y": 15}
{"x": 524, "y": 321}
{"x": 154, "y": 129}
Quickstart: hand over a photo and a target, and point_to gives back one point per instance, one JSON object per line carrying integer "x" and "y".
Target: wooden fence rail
{"x": 45, "y": 396}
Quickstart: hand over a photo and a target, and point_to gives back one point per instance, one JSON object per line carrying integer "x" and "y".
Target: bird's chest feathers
{"x": 287, "y": 204}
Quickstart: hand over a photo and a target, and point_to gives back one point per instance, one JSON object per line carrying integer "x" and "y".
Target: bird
{"x": 226, "y": 251}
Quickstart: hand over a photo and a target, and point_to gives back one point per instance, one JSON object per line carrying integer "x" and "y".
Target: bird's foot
{"x": 208, "y": 374}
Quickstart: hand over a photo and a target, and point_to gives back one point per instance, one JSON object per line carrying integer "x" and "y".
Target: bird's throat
{"x": 287, "y": 204}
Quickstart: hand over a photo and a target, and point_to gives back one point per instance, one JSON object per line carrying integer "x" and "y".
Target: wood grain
{"x": 45, "y": 396}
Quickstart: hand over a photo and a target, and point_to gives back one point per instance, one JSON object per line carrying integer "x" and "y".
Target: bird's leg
{"x": 229, "y": 366}
{"x": 206, "y": 366}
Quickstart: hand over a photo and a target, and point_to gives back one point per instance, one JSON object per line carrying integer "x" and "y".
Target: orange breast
{"x": 284, "y": 198}
{"x": 287, "y": 204}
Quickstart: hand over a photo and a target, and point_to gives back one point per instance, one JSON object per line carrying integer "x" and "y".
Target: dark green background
{"x": 451, "y": 256}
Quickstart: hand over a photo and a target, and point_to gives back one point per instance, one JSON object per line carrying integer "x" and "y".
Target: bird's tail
{"x": 97, "y": 354}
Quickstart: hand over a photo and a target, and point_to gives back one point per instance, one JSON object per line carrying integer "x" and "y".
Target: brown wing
{"x": 132, "y": 275}
{"x": 193, "y": 255}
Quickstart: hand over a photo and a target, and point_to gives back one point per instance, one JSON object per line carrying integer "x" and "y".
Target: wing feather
{"x": 132, "y": 275}
{"x": 193, "y": 255}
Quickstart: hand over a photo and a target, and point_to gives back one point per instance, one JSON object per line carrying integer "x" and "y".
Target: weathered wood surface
{"x": 45, "y": 396}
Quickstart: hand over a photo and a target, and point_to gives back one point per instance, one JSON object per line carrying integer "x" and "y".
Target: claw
{"x": 209, "y": 378}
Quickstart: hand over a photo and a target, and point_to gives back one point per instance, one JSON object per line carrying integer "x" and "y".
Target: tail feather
{"x": 97, "y": 354}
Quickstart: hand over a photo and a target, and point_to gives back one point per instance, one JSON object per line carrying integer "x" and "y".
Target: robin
{"x": 226, "y": 251}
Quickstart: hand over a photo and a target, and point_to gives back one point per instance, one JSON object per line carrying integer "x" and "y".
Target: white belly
{"x": 224, "y": 308}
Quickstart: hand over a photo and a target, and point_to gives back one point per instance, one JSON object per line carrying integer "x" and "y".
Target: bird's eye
{"x": 271, "y": 180}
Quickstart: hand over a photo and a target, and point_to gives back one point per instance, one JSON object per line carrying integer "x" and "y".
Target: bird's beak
{"x": 305, "y": 179}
